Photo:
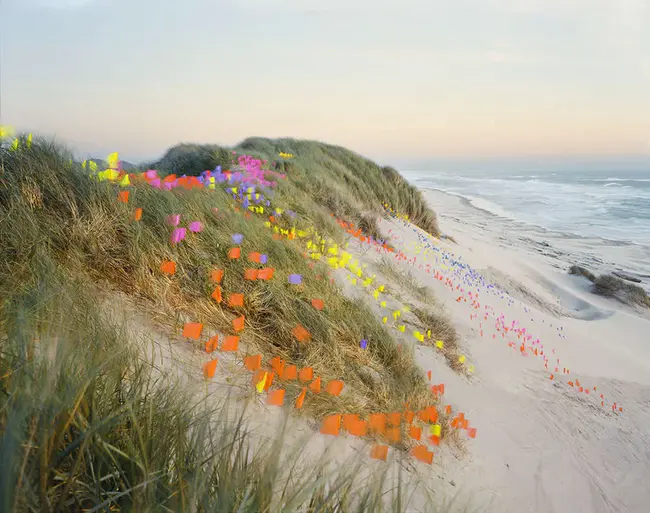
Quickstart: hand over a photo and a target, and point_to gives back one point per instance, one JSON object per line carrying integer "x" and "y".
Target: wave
{"x": 481, "y": 204}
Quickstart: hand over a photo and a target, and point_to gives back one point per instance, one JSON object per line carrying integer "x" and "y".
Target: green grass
{"x": 86, "y": 423}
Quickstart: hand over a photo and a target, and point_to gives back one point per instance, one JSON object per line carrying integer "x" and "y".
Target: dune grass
{"x": 323, "y": 176}
{"x": 83, "y": 418}
{"x": 612, "y": 286}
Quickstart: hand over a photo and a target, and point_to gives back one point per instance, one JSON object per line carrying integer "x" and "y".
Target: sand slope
{"x": 542, "y": 445}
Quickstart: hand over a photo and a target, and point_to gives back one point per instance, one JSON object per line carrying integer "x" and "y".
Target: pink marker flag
{"x": 174, "y": 219}
{"x": 196, "y": 226}
{"x": 178, "y": 235}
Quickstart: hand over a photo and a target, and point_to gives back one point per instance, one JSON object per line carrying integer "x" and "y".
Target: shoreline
{"x": 600, "y": 255}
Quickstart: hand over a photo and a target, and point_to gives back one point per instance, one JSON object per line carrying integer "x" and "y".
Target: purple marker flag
{"x": 237, "y": 238}
{"x": 264, "y": 258}
{"x": 295, "y": 279}
{"x": 363, "y": 344}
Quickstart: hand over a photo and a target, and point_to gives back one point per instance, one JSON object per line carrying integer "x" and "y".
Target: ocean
{"x": 598, "y": 219}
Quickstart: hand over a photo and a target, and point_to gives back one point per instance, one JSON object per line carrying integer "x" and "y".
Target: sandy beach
{"x": 543, "y": 445}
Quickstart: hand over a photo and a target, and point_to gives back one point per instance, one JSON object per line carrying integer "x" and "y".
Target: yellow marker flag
{"x": 354, "y": 281}
{"x": 92, "y": 165}
{"x": 439, "y": 344}
{"x": 6, "y": 131}
{"x": 471, "y": 368}
{"x": 375, "y": 294}
{"x": 418, "y": 336}
{"x": 14, "y": 145}
{"x": 435, "y": 430}
{"x": 260, "y": 385}
{"x": 30, "y": 138}
{"x": 383, "y": 304}
{"x": 84, "y": 163}
{"x": 113, "y": 160}
{"x": 384, "y": 320}
{"x": 402, "y": 328}
{"x": 428, "y": 333}
{"x": 381, "y": 287}
{"x": 125, "y": 181}
{"x": 461, "y": 358}
{"x": 396, "y": 314}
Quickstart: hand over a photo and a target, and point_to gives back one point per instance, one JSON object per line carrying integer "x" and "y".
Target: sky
{"x": 400, "y": 81}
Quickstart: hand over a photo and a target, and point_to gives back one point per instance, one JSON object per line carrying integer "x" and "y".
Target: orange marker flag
{"x": 394, "y": 419}
{"x": 269, "y": 380}
{"x": 378, "y": 422}
{"x": 318, "y": 304}
{"x": 238, "y": 323}
{"x": 349, "y": 420}
{"x": 429, "y": 375}
{"x": 123, "y": 196}
{"x": 254, "y": 257}
{"x": 211, "y": 345}
{"x": 415, "y": 432}
{"x": 234, "y": 253}
{"x": 231, "y": 343}
{"x": 435, "y": 439}
{"x": 216, "y": 275}
{"x": 210, "y": 368}
{"x": 236, "y": 299}
{"x": 168, "y": 267}
{"x": 408, "y": 417}
{"x": 138, "y": 214}
{"x": 331, "y": 425}
{"x": 252, "y": 363}
{"x": 359, "y": 428}
{"x": 301, "y": 398}
{"x": 448, "y": 409}
{"x": 315, "y": 386}
{"x": 306, "y": 374}
{"x": 275, "y": 398}
{"x": 266, "y": 273}
{"x": 420, "y": 453}
{"x": 216, "y": 294}
{"x": 334, "y": 387}
{"x": 471, "y": 432}
{"x": 379, "y": 452}
{"x": 301, "y": 334}
{"x": 192, "y": 330}
{"x": 251, "y": 274}
{"x": 290, "y": 373}
{"x": 277, "y": 364}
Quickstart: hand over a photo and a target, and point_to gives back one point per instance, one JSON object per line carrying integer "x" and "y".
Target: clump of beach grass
{"x": 406, "y": 281}
{"x": 612, "y": 286}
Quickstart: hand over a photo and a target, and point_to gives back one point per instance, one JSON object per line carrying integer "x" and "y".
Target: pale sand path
{"x": 542, "y": 446}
